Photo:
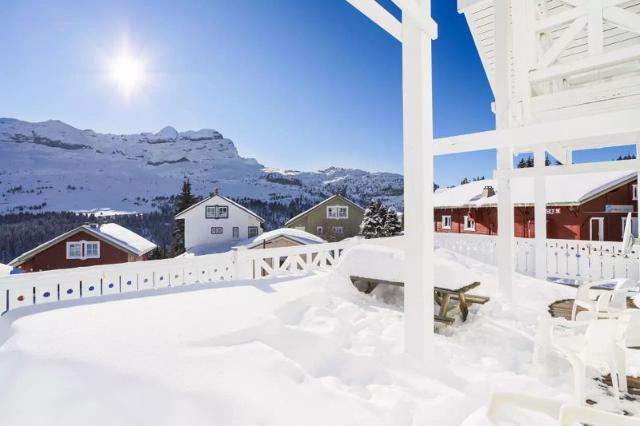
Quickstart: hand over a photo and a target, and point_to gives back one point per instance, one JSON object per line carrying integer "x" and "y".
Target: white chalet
{"x": 218, "y": 223}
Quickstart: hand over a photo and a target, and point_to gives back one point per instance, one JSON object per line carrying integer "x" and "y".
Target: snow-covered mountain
{"x": 54, "y": 166}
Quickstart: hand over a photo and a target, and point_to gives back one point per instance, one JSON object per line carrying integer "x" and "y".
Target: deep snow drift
{"x": 292, "y": 351}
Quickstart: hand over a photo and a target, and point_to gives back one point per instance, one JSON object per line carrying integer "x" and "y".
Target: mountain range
{"x": 52, "y": 166}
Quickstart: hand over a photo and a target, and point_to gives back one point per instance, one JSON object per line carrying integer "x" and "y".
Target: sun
{"x": 127, "y": 72}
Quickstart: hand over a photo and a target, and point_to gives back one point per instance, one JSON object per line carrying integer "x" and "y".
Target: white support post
{"x": 505, "y": 225}
{"x": 540, "y": 214}
{"x": 504, "y": 155}
{"x": 418, "y": 185}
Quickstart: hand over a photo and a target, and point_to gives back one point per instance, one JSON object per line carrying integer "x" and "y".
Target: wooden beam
{"x": 573, "y": 169}
{"x": 594, "y": 131}
{"x": 562, "y": 43}
{"x": 623, "y": 18}
{"x": 378, "y": 14}
{"x": 424, "y": 21}
{"x": 607, "y": 59}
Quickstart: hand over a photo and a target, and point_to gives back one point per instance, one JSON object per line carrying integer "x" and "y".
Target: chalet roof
{"x": 228, "y": 200}
{"x": 561, "y": 190}
{"x": 332, "y": 198}
{"x": 111, "y": 233}
{"x": 296, "y": 235}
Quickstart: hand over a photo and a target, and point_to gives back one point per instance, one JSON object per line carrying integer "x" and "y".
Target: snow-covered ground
{"x": 289, "y": 351}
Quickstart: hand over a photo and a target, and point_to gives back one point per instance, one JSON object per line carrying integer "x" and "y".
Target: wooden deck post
{"x": 540, "y": 214}
{"x": 418, "y": 184}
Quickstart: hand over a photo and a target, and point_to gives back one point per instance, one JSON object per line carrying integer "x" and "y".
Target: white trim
{"x": 634, "y": 191}
{"x": 469, "y": 223}
{"x": 215, "y": 229}
{"x": 448, "y": 219}
{"x": 338, "y": 210}
{"x": 600, "y": 228}
{"x": 72, "y": 244}
{"x": 83, "y": 250}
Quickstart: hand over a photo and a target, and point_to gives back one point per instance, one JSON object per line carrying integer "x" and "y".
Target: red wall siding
{"x": 563, "y": 222}
{"x": 55, "y": 257}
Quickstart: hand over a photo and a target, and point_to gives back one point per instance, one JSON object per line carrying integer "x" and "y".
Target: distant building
{"x": 217, "y": 224}
{"x": 583, "y": 207}
{"x": 334, "y": 219}
{"x": 87, "y": 245}
{"x": 284, "y": 237}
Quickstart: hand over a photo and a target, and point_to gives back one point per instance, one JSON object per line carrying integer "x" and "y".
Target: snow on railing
{"x": 38, "y": 288}
{"x": 569, "y": 259}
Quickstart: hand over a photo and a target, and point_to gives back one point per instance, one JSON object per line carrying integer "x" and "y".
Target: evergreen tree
{"x": 184, "y": 200}
{"x": 392, "y": 225}
{"x": 464, "y": 181}
{"x": 372, "y": 222}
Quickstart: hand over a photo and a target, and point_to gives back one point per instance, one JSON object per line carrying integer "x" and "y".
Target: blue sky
{"x": 296, "y": 84}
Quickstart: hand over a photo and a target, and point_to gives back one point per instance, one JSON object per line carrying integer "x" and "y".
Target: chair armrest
{"x": 505, "y": 400}
{"x": 570, "y": 415}
{"x": 583, "y": 290}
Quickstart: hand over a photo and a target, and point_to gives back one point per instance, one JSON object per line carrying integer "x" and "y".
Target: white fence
{"x": 568, "y": 259}
{"x": 67, "y": 284}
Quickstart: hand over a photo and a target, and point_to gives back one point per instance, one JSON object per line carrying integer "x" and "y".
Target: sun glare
{"x": 127, "y": 73}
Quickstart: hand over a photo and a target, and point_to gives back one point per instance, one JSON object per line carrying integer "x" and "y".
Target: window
{"x": 253, "y": 231}
{"x": 74, "y": 250}
{"x": 235, "y": 232}
{"x": 634, "y": 226}
{"x": 83, "y": 250}
{"x": 634, "y": 191}
{"x": 92, "y": 249}
{"x": 319, "y": 229}
{"x": 217, "y": 230}
{"x": 338, "y": 230}
{"x": 337, "y": 212}
{"x": 469, "y": 223}
{"x": 217, "y": 212}
{"x": 446, "y": 222}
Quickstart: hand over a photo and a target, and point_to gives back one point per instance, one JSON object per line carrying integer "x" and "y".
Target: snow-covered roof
{"x": 228, "y": 200}
{"x": 5, "y": 270}
{"x": 111, "y": 233}
{"x": 561, "y": 190}
{"x": 296, "y": 235}
{"x": 333, "y": 197}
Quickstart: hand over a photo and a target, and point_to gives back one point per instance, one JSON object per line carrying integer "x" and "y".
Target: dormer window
{"x": 337, "y": 212}
{"x": 217, "y": 212}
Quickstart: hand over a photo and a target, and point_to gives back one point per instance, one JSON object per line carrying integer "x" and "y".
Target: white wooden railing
{"x": 568, "y": 259}
{"x": 38, "y": 288}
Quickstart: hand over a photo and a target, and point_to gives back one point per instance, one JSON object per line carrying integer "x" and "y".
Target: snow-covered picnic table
{"x": 371, "y": 265}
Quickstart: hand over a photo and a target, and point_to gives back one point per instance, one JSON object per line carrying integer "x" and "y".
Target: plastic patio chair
{"x": 502, "y": 404}
{"x": 601, "y": 344}
{"x": 606, "y": 304}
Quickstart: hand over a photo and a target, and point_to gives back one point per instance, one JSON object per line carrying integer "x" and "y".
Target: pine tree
{"x": 392, "y": 225}
{"x": 372, "y": 222}
{"x": 184, "y": 200}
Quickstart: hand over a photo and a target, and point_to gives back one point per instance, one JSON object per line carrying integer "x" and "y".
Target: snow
{"x": 388, "y": 264}
{"x": 561, "y": 189}
{"x": 138, "y": 172}
{"x": 5, "y": 270}
{"x": 125, "y": 237}
{"x": 306, "y": 350}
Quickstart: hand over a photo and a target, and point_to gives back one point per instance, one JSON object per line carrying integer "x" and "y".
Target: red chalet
{"x": 582, "y": 207}
{"x": 87, "y": 245}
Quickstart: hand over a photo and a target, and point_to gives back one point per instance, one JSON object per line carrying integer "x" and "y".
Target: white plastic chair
{"x": 502, "y": 404}
{"x": 601, "y": 344}
{"x": 607, "y": 303}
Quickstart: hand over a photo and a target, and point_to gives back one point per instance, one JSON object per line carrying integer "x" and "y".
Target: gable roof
{"x": 333, "y": 197}
{"x": 295, "y": 235}
{"x": 111, "y": 233}
{"x": 561, "y": 190}
{"x": 228, "y": 200}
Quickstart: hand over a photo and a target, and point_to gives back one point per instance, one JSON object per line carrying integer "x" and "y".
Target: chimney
{"x": 488, "y": 191}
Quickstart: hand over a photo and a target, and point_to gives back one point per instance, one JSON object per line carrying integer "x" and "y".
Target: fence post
{"x": 243, "y": 268}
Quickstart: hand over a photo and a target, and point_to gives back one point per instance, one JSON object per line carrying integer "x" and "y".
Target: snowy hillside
{"x": 54, "y": 166}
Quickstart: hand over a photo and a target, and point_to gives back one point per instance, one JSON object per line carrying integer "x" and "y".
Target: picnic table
{"x": 450, "y": 300}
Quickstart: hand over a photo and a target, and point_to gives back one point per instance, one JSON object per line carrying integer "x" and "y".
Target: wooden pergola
{"x": 565, "y": 76}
